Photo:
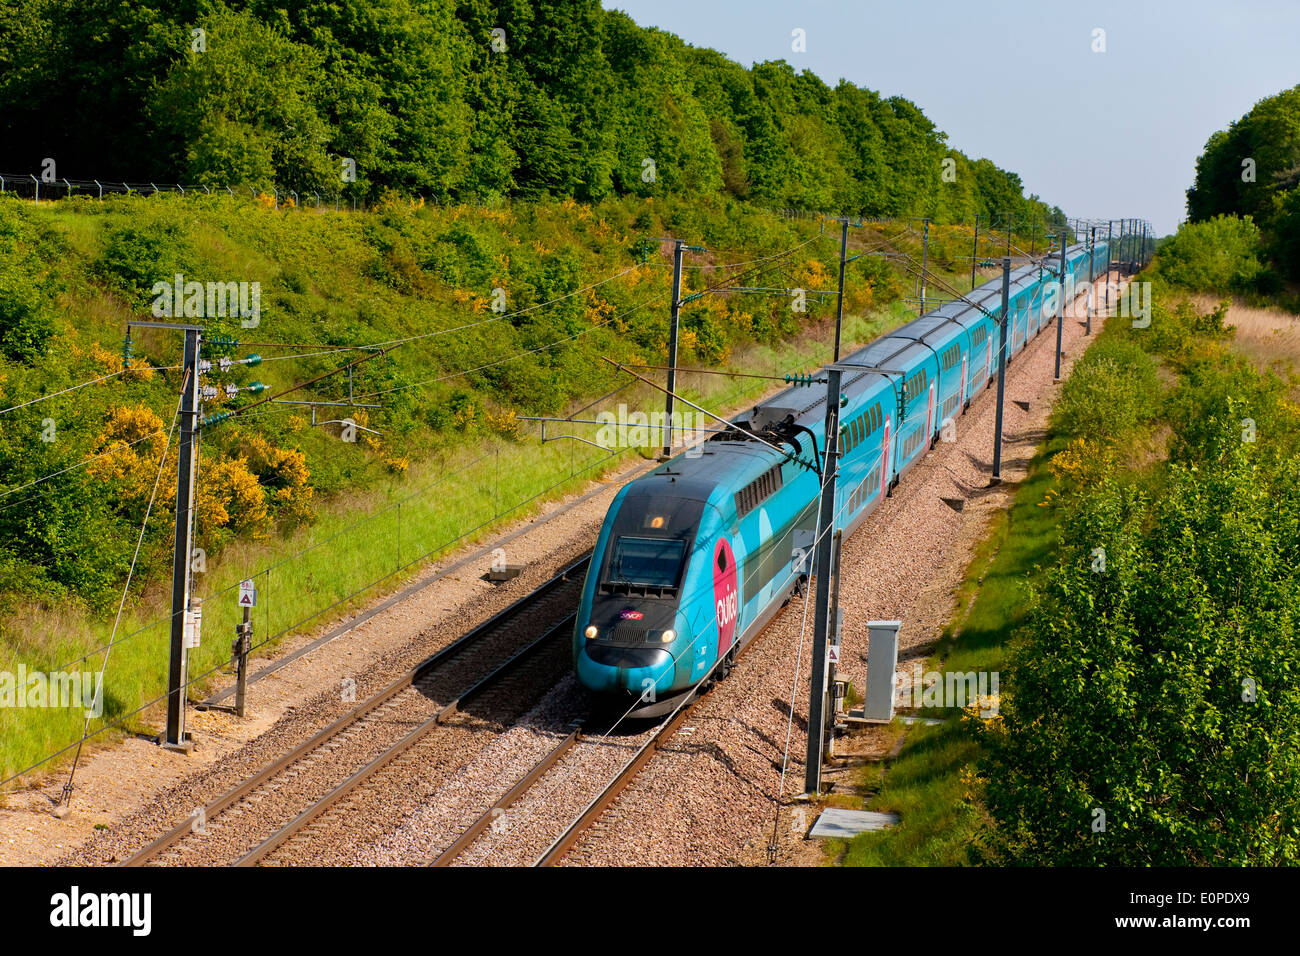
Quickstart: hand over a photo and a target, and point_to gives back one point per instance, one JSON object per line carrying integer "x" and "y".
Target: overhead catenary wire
{"x": 734, "y": 265}
{"x": 521, "y": 354}
{"x": 93, "y": 381}
{"x": 73, "y": 388}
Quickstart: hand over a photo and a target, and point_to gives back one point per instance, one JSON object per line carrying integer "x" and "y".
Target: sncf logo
{"x": 630, "y": 615}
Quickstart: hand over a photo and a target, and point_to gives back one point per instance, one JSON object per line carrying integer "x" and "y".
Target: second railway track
{"x": 339, "y": 786}
{"x": 568, "y": 793}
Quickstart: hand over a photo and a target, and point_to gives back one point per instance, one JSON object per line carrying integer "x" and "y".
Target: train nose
{"x": 611, "y": 669}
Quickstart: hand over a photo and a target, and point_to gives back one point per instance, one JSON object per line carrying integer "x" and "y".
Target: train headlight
{"x": 668, "y": 636}
{"x": 591, "y": 632}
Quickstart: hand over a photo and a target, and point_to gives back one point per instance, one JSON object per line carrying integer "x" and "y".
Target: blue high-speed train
{"x": 694, "y": 558}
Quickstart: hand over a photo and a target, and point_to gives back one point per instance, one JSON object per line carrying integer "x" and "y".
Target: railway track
{"x": 279, "y": 813}
{"x": 551, "y": 769}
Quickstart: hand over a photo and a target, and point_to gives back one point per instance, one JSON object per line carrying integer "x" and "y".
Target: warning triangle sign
{"x": 246, "y": 598}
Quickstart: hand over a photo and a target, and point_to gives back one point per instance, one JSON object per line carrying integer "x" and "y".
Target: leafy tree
{"x": 478, "y": 99}
{"x": 1160, "y": 690}
{"x": 244, "y": 110}
{"x": 1219, "y": 254}
{"x": 1251, "y": 170}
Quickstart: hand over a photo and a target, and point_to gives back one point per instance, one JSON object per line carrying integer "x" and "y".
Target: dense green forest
{"x": 1253, "y": 169}
{"x": 566, "y": 100}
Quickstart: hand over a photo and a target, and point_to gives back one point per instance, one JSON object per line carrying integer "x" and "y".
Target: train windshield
{"x": 649, "y": 545}
{"x": 646, "y": 562}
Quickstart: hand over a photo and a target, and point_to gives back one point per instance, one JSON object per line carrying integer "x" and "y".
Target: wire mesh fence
{"x": 48, "y": 189}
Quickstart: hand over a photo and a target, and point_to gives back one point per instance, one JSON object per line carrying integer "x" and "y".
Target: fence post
{"x": 101, "y": 190}
{"x": 38, "y": 188}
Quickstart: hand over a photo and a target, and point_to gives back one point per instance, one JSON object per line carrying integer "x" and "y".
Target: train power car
{"x": 694, "y": 558}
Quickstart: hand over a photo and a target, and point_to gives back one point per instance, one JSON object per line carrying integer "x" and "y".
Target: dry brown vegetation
{"x": 1270, "y": 337}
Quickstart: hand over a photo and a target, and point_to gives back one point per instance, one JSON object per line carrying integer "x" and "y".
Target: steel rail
{"x": 317, "y": 809}
{"x": 473, "y": 636}
{"x": 475, "y": 829}
{"x": 565, "y": 842}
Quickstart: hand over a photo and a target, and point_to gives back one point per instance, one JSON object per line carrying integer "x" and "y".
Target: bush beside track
{"x": 1151, "y": 691}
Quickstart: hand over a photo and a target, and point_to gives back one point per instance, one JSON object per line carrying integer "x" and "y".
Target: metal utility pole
{"x": 1011, "y": 219}
{"x": 175, "y": 736}
{"x": 678, "y": 246}
{"x": 925, "y": 256}
{"x": 1092, "y": 276}
{"x": 824, "y": 611}
{"x": 975, "y": 251}
{"x": 1002, "y": 372}
{"x": 1110, "y": 251}
{"x": 1060, "y": 315}
{"x": 839, "y": 302}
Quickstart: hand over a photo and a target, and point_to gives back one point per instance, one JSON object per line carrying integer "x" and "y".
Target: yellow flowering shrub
{"x": 230, "y": 496}
{"x": 505, "y": 423}
{"x": 132, "y": 444}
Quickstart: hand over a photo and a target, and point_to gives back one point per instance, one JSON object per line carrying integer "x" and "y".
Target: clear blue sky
{"x": 1118, "y": 135}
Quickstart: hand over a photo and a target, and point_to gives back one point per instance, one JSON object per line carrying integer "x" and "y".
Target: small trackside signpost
{"x": 243, "y": 643}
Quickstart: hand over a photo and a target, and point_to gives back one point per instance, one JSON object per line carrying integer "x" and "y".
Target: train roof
{"x": 723, "y": 463}
{"x": 897, "y": 345}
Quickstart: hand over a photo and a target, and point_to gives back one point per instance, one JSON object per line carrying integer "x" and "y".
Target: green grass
{"x": 930, "y": 784}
